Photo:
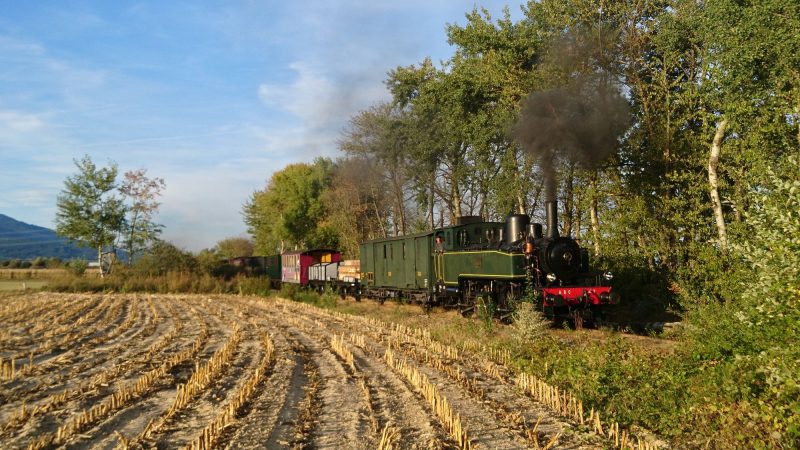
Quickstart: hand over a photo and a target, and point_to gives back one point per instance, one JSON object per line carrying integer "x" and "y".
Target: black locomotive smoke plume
{"x": 580, "y": 122}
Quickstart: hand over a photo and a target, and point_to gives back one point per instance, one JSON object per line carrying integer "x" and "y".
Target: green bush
{"x": 77, "y": 267}
{"x": 54, "y": 263}
{"x": 163, "y": 258}
{"x": 747, "y": 346}
{"x": 297, "y": 293}
{"x": 39, "y": 263}
{"x": 529, "y": 324}
{"x": 252, "y": 285}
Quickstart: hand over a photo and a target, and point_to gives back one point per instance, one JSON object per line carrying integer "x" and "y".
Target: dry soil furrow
{"x": 284, "y": 414}
{"x": 54, "y": 341}
{"x": 343, "y": 420}
{"x": 189, "y": 422}
{"x": 82, "y": 362}
{"x": 271, "y": 419}
{"x": 373, "y": 352}
{"x": 61, "y": 386}
{"x": 497, "y": 400}
{"x": 25, "y": 336}
{"x": 21, "y": 312}
{"x": 132, "y": 419}
{"x": 530, "y": 420}
{"x": 398, "y": 406}
{"x": 106, "y": 401}
{"x": 393, "y": 401}
{"x": 333, "y": 381}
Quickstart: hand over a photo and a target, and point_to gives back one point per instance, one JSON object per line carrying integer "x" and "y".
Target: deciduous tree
{"x": 88, "y": 211}
{"x": 235, "y": 246}
{"x": 290, "y": 212}
{"x": 142, "y": 192}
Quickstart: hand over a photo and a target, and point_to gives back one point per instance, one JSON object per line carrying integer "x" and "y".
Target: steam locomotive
{"x": 475, "y": 264}
{"x": 472, "y": 264}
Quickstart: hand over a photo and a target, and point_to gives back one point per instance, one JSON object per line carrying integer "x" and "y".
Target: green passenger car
{"x": 437, "y": 266}
{"x": 397, "y": 267}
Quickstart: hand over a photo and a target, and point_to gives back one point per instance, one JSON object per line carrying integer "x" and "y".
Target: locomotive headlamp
{"x": 608, "y": 275}
{"x": 551, "y": 277}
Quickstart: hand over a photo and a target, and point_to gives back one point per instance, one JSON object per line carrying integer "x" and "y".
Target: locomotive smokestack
{"x": 551, "y": 209}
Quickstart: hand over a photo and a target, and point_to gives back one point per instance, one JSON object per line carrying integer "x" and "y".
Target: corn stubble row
{"x": 21, "y": 311}
{"x": 399, "y": 334}
{"x": 73, "y": 332}
{"x": 212, "y": 432}
{"x": 340, "y": 347}
{"x": 123, "y": 396}
{"x": 55, "y": 400}
{"x": 438, "y": 403}
{"x": 471, "y": 385}
{"x": 52, "y": 327}
{"x": 562, "y": 402}
{"x": 389, "y": 435}
{"x": 569, "y": 406}
{"x": 104, "y": 311}
{"x": 200, "y": 379}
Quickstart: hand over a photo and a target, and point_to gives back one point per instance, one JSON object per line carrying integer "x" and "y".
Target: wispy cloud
{"x": 321, "y": 104}
{"x": 13, "y": 46}
{"x": 213, "y": 98}
{"x": 18, "y": 122}
{"x": 305, "y": 97}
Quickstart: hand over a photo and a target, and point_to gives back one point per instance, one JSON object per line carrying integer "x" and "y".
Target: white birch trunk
{"x": 713, "y": 182}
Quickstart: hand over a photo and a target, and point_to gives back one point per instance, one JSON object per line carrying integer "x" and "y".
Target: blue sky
{"x": 212, "y": 96}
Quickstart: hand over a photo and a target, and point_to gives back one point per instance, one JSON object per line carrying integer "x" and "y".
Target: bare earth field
{"x": 145, "y": 371}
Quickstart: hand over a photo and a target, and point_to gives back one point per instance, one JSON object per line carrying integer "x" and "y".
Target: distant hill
{"x": 19, "y": 240}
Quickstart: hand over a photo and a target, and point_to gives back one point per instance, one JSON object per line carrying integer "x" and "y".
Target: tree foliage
{"x": 97, "y": 212}
{"x": 89, "y": 211}
{"x": 234, "y": 246}
{"x": 289, "y": 213}
{"x": 693, "y": 205}
{"x": 141, "y": 193}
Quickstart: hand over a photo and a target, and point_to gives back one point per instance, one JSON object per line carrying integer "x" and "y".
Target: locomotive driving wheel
{"x": 505, "y": 301}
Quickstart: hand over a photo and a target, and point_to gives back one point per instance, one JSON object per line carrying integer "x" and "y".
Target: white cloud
{"x": 13, "y": 121}
{"x": 322, "y": 104}
{"x": 10, "y": 46}
{"x": 203, "y": 206}
{"x": 304, "y": 97}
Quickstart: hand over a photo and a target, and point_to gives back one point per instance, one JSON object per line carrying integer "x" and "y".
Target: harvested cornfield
{"x": 142, "y": 371}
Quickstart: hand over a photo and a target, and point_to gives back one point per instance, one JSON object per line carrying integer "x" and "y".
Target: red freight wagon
{"x": 295, "y": 265}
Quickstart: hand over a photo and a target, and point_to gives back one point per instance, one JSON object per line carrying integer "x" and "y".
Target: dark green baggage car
{"x": 400, "y": 267}
{"x": 450, "y": 266}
